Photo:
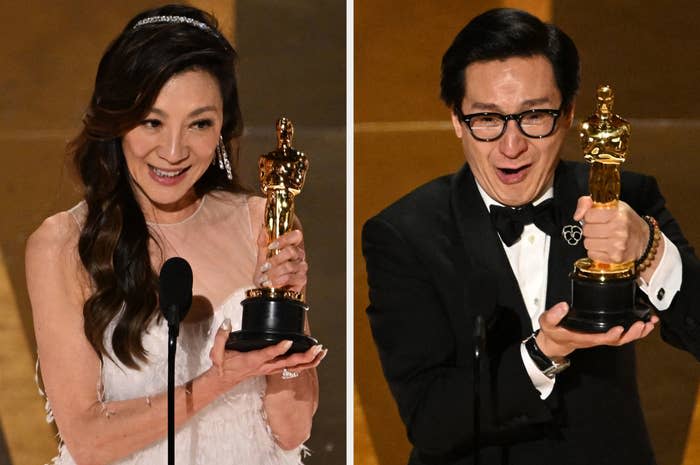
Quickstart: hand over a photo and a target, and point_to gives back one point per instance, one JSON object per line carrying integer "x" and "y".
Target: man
{"x": 435, "y": 261}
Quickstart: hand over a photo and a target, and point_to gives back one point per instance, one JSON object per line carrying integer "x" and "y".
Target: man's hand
{"x": 557, "y": 341}
{"x": 615, "y": 235}
{"x": 612, "y": 235}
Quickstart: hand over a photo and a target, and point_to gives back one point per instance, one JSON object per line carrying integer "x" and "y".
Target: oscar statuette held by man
{"x": 604, "y": 295}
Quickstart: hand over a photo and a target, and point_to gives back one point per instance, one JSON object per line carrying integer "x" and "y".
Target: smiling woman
{"x": 174, "y": 145}
{"x": 153, "y": 157}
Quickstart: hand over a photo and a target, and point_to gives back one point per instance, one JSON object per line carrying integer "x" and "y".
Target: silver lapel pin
{"x": 572, "y": 234}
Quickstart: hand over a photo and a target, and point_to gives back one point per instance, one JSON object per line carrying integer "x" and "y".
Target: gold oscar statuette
{"x": 271, "y": 315}
{"x": 603, "y": 295}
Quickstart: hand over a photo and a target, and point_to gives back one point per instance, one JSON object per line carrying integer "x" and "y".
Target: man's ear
{"x": 457, "y": 125}
{"x": 567, "y": 118}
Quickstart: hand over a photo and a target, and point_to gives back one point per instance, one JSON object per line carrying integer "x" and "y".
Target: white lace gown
{"x": 218, "y": 241}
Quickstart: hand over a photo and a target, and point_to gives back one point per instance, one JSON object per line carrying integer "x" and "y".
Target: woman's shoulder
{"x": 256, "y": 205}
{"x": 52, "y": 261}
{"x": 234, "y": 198}
{"x": 228, "y": 201}
{"x": 58, "y": 234}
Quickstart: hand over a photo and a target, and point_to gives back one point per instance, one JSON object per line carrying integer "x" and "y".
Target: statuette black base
{"x": 597, "y": 306}
{"x": 268, "y": 321}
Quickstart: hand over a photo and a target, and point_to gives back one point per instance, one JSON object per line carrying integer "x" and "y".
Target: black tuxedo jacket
{"x": 434, "y": 262}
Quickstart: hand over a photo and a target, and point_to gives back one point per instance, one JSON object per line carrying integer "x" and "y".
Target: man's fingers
{"x": 638, "y": 330}
{"x": 582, "y": 206}
{"x": 596, "y": 231}
{"x": 648, "y": 328}
{"x": 554, "y": 315}
{"x": 633, "y": 332}
{"x": 611, "y": 337}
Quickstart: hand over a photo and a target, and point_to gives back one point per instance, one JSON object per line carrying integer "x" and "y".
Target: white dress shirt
{"x": 529, "y": 258}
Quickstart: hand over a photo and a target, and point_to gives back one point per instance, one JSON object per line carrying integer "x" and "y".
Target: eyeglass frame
{"x": 517, "y": 117}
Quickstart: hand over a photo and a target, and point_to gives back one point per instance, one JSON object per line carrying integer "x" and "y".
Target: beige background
{"x": 292, "y": 62}
{"x": 403, "y": 138}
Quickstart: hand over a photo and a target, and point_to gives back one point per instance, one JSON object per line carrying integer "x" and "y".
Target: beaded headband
{"x": 174, "y": 20}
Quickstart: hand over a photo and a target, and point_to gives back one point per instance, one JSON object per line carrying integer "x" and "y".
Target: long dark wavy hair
{"x": 113, "y": 244}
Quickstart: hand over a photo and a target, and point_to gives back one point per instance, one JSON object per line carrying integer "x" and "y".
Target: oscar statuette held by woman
{"x": 271, "y": 314}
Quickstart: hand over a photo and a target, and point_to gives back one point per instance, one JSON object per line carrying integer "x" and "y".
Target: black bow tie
{"x": 509, "y": 222}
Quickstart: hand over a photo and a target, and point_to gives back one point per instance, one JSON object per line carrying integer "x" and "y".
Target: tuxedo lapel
{"x": 484, "y": 256}
{"x": 569, "y": 184}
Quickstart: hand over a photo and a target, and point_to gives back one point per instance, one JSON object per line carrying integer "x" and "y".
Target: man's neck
{"x": 488, "y": 200}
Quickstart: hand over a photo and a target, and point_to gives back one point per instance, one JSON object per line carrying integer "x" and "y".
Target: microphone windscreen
{"x": 175, "y": 286}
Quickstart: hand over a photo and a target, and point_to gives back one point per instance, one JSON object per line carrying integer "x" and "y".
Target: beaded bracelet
{"x": 649, "y": 254}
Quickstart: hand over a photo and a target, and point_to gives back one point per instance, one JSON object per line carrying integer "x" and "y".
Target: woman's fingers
{"x": 290, "y": 238}
{"x": 312, "y": 363}
{"x": 272, "y": 352}
{"x": 243, "y": 365}
{"x": 289, "y": 275}
{"x": 300, "y": 358}
{"x": 236, "y": 366}
{"x": 217, "y": 351}
{"x": 304, "y": 357}
{"x": 282, "y": 263}
{"x": 291, "y": 253}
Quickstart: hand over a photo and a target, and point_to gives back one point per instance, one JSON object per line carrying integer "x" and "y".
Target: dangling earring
{"x": 222, "y": 159}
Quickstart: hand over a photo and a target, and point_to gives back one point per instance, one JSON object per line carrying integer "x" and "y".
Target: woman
{"x": 153, "y": 158}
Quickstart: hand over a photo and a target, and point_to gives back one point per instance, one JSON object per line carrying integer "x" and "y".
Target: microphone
{"x": 175, "y": 290}
{"x": 175, "y": 294}
{"x": 481, "y": 304}
{"x": 479, "y": 337}
{"x": 479, "y": 348}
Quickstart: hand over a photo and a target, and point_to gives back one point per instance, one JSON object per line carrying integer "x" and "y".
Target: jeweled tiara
{"x": 174, "y": 20}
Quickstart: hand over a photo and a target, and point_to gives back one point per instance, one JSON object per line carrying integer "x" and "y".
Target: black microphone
{"x": 175, "y": 294}
{"x": 175, "y": 290}
{"x": 479, "y": 348}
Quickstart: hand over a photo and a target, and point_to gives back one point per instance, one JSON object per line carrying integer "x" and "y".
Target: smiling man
{"x": 488, "y": 242}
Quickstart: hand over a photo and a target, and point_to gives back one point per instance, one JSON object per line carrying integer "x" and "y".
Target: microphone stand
{"x": 479, "y": 346}
{"x": 175, "y": 299}
{"x": 173, "y": 332}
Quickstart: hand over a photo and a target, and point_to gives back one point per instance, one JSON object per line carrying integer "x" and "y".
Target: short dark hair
{"x": 504, "y": 33}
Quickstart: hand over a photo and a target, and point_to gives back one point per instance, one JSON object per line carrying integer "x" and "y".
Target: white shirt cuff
{"x": 543, "y": 384}
{"x": 667, "y": 278}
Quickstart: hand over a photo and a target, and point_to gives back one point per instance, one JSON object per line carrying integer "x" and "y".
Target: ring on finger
{"x": 289, "y": 374}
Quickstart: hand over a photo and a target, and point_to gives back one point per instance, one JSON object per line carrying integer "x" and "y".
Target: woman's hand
{"x": 281, "y": 264}
{"x": 232, "y": 367}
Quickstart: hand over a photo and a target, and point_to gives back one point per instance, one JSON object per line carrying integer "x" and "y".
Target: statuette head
{"x": 604, "y": 100}
{"x": 285, "y": 133}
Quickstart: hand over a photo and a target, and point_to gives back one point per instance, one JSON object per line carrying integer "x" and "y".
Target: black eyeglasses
{"x": 487, "y": 126}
